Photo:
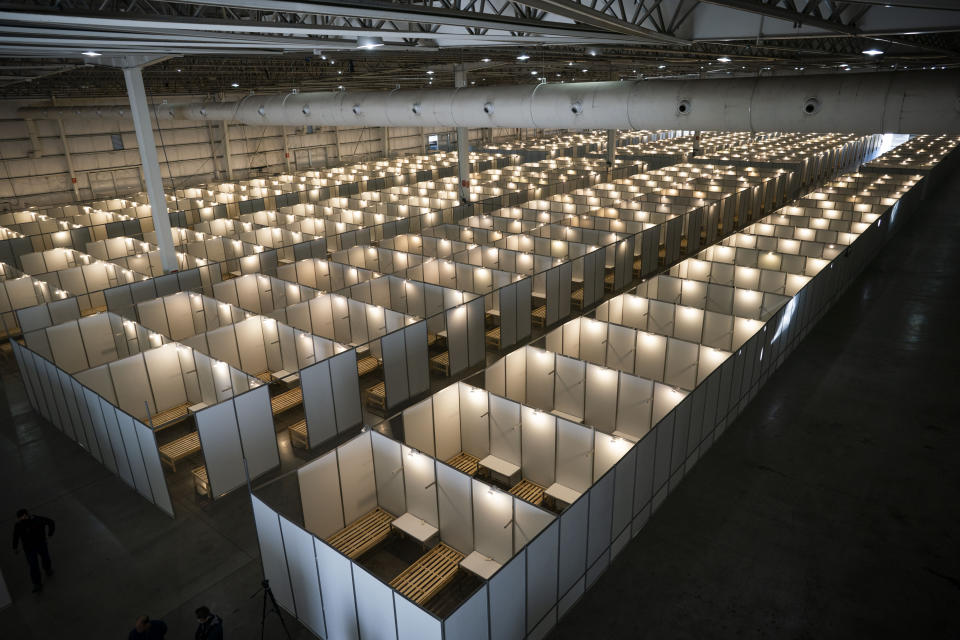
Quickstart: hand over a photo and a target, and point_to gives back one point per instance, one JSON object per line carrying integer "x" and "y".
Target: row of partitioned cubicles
{"x": 511, "y": 433}
{"x": 138, "y": 403}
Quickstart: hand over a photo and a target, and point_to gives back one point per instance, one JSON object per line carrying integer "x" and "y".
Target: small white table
{"x": 625, "y": 436}
{"x": 563, "y": 496}
{"x": 506, "y": 472}
{"x": 480, "y": 565}
{"x": 416, "y": 528}
{"x": 197, "y": 407}
{"x": 285, "y": 376}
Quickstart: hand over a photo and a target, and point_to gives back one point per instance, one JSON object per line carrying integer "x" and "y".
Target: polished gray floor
{"x": 829, "y": 509}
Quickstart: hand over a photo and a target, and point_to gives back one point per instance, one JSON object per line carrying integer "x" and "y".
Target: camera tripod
{"x": 274, "y": 608}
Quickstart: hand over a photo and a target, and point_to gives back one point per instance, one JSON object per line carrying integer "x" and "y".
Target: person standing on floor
{"x": 147, "y": 629}
{"x": 33, "y": 532}
{"x": 209, "y": 625}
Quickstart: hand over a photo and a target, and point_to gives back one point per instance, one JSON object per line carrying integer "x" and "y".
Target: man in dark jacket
{"x": 209, "y": 625}
{"x": 33, "y": 531}
{"x": 147, "y": 629}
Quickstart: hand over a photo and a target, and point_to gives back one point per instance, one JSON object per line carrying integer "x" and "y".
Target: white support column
{"x": 36, "y": 151}
{"x": 140, "y": 111}
{"x": 696, "y": 145}
{"x": 463, "y": 142}
{"x": 336, "y": 139}
{"x": 385, "y": 132}
{"x": 226, "y": 149}
{"x": 611, "y": 147}
{"x": 213, "y": 151}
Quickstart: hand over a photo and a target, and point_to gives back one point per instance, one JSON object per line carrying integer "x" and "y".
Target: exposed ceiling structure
{"x": 53, "y": 47}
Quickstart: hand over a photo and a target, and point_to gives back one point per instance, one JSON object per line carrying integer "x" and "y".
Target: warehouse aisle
{"x": 829, "y": 508}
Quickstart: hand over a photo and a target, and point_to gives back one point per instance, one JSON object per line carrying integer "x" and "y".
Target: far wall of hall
{"x": 36, "y": 170}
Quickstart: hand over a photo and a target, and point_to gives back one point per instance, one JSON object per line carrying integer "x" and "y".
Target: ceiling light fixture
{"x": 429, "y": 73}
{"x": 523, "y": 57}
{"x": 369, "y": 42}
{"x": 234, "y": 85}
{"x": 723, "y": 59}
{"x": 662, "y": 66}
{"x": 91, "y": 54}
{"x": 872, "y": 52}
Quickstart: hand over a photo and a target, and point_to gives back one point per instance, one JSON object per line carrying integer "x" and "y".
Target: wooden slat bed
{"x": 539, "y": 316}
{"x": 363, "y": 534}
{"x": 493, "y": 338}
{"x": 376, "y": 396}
{"x": 178, "y": 449}
{"x": 169, "y": 417}
{"x": 464, "y": 462}
{"x": 286, "y": 400}
{"x": 529, "y": 491}
{"x": 429, "y": 574}
{"x": 264, "y": 376}
{"x": 441, "y": 363}
{"x": 298, "y": 434}
{"x": 576, "y": 298}
{"x": 367, "y": 364}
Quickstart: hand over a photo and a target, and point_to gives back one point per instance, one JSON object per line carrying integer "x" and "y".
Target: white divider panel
{"x": 574, "y": 459}
{"x": 471, "y": 620}
{"x": 388, "y": 468}
{"x": 623, "y": 490}
{"x": 257, "y": 434}
{"x": 302, "y": 565}
{"x": 346, "y": 389}
{"x": 151, "y": 461}
{"x": 516, "y": 374}
{"x": 455, "y": 509}
{"x": 573, "y": 544}
{"x": 374, "y": 606}
{"x": 318, "y": 403}
{"x": 600, "y": 407}
{"x": 420, "y": 486}
{"x": 394, "y": 351}
{"x": 495, "y": 377}
{"x": 538, "y": 447}
{"x": 336, "y": 583}
{"x": 116, "y": 442}
{"x": 272, "y": 555}
{"x": 540, "y": 370}
{"x": 474, "y": 421}
{"x": 568, "y": 393}
{"x": 319, "y": 483}
{"x": 357, "y": 484}
{"x": 493, "y": 511}
{"x": 446, "y": 422}
{"x": 135, "y": 458}
{"x": 166, "y": 381}
{"x": 607, "y": 451}
{"x": 131, "y": 385}
{"x": 222, "y": 452}
{"x": 651, "y": 356}
{"x": 457, "y": 338}
{"x": 507, "y": 602}
{"x": 418, "y": 427}
{"x": 505, "y": 429}
{"x": 601, "y": 506}
{"x": 542, "y": 575}
{"x": 475, "y": 325}
{"x": 418, "y": 373}
{"x": 413, "y": 623}
{"x": 103, "y": 438}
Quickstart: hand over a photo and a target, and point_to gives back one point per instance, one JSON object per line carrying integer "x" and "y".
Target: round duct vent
{"x": 488, "y": 108}
{"x": 683, "y": 107}
{"x": 306, "y": 110}
{"x": 811, "y": 106}
{"x": 415, "y": 108}
{"x": 356, "y": 110}
{"x": 262, "y": 110}
{"x": 203, "y": 111}
{"x": 576, "y": 108}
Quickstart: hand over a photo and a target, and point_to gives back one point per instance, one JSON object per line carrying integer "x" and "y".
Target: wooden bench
{"x": 286, "y": 401}
{"x": 376, "y": 396}
{"x": 178, "y": 449}
{"x": 298, "y": 434}
{"x": 539, "y": 316}
{"x": 363, "y": 534}
{"x": 429, "y": 574}
{"x": 200, "y": 481}
{"x": 465, "y": 463}
{"x": 169, "y": 417}
{"x": 367, "y": 364}
{"x": 529, "y": 491}
{"x": 441, "y": 363}
{"x": 493, "y": 338}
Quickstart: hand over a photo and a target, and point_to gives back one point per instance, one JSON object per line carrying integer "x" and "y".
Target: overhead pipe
{"x": 889, "y": 102}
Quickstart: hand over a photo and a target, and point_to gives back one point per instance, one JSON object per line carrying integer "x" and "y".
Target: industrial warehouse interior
{"x": 450, "y": 320}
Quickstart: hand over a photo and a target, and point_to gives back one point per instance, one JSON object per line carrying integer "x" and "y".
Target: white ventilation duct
{"x": 898, "y": 102}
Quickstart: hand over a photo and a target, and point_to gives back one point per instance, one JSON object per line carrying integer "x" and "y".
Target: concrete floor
{"x": 829, "y": 509}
